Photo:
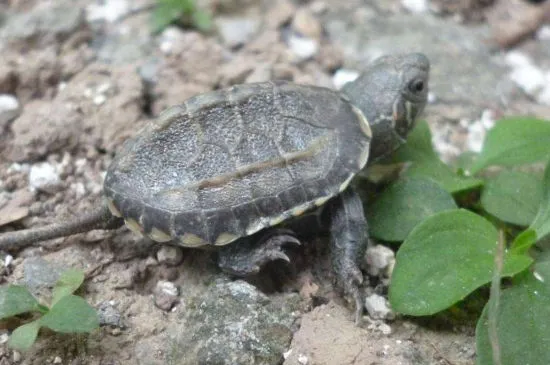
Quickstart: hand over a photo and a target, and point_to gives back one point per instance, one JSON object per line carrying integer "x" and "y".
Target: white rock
{"x": 302, "y": 48}
{"x": 415, "y": 6}
{"x": 170, "y": 255}
{"x": 169, "y": 37}
{"x": 379, "y": 258}
{"x": 108, "y": 10}
{"x": 166, "y": 295}
{"x": 302, "y": 359}
{"x": 57, "y": 360}
{"x": 543, "y": 33}
{"x": 44, "y": 176}
{"x": 342, "y": 76}
{"x": 236, "y": 31}
{"x": 529, "y": 77}
{"x": 9, "y": 108}
{"x": 385, "y": 329}
{"x": 377, "y": 307}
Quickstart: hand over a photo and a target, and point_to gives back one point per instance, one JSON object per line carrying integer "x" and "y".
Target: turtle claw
{"x": 246, "y": 258}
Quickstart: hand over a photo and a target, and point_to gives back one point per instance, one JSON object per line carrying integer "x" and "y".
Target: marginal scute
{"x": 167, "y": 116}
{"x": 192, "y": 240}
{"x": 300, "y": 209}
{"x": 345, "y": 184}
{"x": 113, "y": 209}
{"x": 321, "y": 201}
{"x": 255, "y": 227}
{"x": 225, "y": 238}
{"x": 363, "y": 122}
{"x": 159, "y": 236}
{"x": 277, "y": 220}
{"x": 133, "y": 226}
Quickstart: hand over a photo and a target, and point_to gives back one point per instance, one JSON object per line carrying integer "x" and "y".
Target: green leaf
{"x": 71, "y": 314}
{"x": 513, "y": 197}
{"x": 424, "y": 162}
{"x": 15, "y": 300}
{"x": 444, "y": 259}
{"x": 515, "y": 141}
{"x": 201, "y": 20}
{"x": 541, "y": 225}
{"x": 166, "y": 13}
{"x": 522, "y": 321}
{"x": 68, "y": 283}
{"x": 524, "y": 241}
{"x": 24, "y": 336}
{"x": 405, "y": 204}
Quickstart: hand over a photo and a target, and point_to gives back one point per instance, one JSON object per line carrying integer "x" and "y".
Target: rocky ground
{"x": 79, "y": 77}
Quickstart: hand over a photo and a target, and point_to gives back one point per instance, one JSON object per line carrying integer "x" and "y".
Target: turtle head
{"x": 391, "y": 93}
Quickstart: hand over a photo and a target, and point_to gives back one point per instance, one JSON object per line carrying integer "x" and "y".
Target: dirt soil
{"x": 82, "y": 93}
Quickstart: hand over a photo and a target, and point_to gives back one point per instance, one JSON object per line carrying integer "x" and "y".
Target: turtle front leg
{"x": 349, "y": 241}
{"x": 247, "y": 256}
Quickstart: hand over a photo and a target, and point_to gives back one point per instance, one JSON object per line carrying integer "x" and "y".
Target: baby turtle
{"x": 227, "y": 164}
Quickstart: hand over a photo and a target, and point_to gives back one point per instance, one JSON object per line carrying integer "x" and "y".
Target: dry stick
{"x": 100, "y": 218}
{"x": 511, "y": 34}
{"x": 494, "y": 300}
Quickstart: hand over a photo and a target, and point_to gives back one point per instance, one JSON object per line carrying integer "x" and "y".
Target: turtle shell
{"x": 228, "y": 163}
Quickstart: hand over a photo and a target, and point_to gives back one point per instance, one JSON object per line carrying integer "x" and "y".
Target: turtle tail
{"x": 100, "y": 218}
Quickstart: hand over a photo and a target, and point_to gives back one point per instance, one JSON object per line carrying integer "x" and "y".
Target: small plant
{"x": 180, "y": 12}
{"x": 67, "y": 313}
{"x": 463, "y": 228}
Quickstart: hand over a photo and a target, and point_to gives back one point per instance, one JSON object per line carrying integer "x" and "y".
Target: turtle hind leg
{"x": 349, "y": 241}
{"x": 247, "y": 256}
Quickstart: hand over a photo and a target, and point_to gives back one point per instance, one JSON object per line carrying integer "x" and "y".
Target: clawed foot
{"x": 246, "y": 257}
{"x": 350, "y": 279}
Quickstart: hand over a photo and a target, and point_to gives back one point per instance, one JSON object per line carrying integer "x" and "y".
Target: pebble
{"x": 415, "y": 6}
{"x": 260, "y": 74}
{"x": 170, "y": 255}
{"x": 109, "y": 315}
{"x": 302, "y": 48}
{"x": 302, "y": 359}
{"x": 9, "y": 109}
{"x": 236, "y": 31}
{"x": 44, "y": 176}
{"x": 107, "y": 10}
{"x": 166, "y": 295}
{"x": 379, "y": 258}
{"x": 16, "y": 356}
{"x": 306, "y": 24}
{"x": 57, "y": 360}
{"x": 377, "y": 307}
{"x": 342, "y": 76}
{"x": 529, "y": 77}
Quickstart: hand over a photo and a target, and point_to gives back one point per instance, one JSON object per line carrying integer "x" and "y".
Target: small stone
{"x": 379, "y": 258}
{"x": 57, "y": 360}
{"x": 306, "y": 24}
{"x": 377, "y": 307}
{"x": 16, "y": 356}
{"x": 9, "y": 109}
{"x": 302, "y": 359}
{"x": 543, "y": 33}
{"x": 236, "y": 31}
{"x": 302, "y": 48}
{"x": 343, "y": 76}
{"x": 107, "y": 10}
{"x": 109, "y": 315}
{"x": 415, "y": 6}
{"x": 260, "y": 74}
{"x": 166, "y": 295}
{"x": 385, "y": 329}
{"x": 170, "y": 255}
{"x": 45, "y": 177}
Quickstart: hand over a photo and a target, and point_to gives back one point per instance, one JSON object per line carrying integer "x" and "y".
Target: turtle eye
{"x": 416, "y": 86}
